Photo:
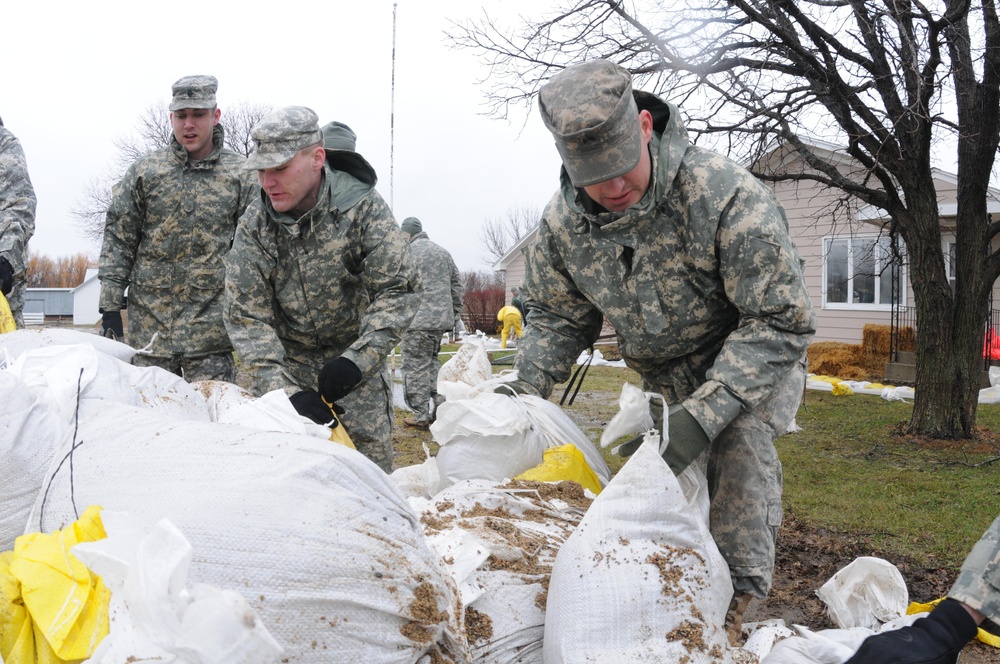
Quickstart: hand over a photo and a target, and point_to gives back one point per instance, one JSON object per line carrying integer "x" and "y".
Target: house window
{"x": 859, "y": 273}
{"x": 949, "y": 263}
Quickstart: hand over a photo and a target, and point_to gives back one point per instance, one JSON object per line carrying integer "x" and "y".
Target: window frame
{"x": 881, "y": 240}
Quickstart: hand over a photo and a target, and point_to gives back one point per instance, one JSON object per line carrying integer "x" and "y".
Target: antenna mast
{"x": 392, "y": 111}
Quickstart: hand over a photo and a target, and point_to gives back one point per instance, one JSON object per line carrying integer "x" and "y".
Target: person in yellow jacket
{"x": 511, "y": 319}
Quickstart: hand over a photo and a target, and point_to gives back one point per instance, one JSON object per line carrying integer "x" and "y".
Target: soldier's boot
{"x": 734, "y": 618}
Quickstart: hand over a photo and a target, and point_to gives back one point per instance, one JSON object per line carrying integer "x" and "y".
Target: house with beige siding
{"x": 850, "y": 269}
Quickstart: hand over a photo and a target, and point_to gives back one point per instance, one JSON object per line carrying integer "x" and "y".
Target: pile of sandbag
{"x": 318, "y": 541}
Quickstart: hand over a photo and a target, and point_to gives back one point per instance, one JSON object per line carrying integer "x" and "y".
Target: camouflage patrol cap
{"x": 281, "y": 134}
{"x": 194, "y": 92}
{"x": 593, "y": 117}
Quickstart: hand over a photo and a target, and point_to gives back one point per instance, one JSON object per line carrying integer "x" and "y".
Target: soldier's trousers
{"x": 216, "y": 366}
{"x": 368, "y": 418}
{"x": 420, "y": 370}
{"x": 745, "y": 484}
{"x": 15, "y": 299}
{"x": 978, "y": 584}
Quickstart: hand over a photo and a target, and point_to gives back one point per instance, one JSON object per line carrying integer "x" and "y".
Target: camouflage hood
{"x": 347, "y": 179}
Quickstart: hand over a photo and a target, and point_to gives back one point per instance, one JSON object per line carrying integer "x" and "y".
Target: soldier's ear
{"x": 216, "y": 115}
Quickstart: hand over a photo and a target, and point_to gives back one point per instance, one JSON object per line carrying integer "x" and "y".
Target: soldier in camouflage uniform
{"x": 17, "y": 221}
{"x": 938, "y": 638}
{"x": 689, "y": 257}
{"x": 439, "y": 312}
{"x": 320, "y": 279}
{"x": 170, "y": 223}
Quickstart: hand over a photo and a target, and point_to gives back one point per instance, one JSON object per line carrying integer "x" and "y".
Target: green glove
{"x": 687, "y": 440}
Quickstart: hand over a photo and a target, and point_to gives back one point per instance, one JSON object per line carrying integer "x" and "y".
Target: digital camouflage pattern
{"x": 194, "y": 92}
{"x": 339, "y": 281}
{"x": 170, "y": 223}
{"x": 282, "y": 133}
{"x": 978, "y": 584}
{"x": 705, "y": 290}
{"x": 218, "y": 366}
{"x": 17, "y": 216}
{"x": 441, "y": 296}
{"x": 440, "y": 305}
{"x": 420, "y": 370}
{"x": 590, "y": 110}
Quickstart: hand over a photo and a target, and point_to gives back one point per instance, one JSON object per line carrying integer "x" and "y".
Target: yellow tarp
{"x": 6, "y": 317}
{"x": 564, "y": 463}
{"x": 983, "y": 635}
{"x": 52, "y": 609}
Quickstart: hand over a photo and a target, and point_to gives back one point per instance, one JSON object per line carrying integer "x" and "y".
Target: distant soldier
{"x": 17, "y": 221}
{"x": 440, "y": 312}
{"x": 170, "y": 223}
{"x": 689, "y": 257}
{"x": 510, "y": 318}
{"x": 320, "y": 285}
{"x": 518, "y": 303}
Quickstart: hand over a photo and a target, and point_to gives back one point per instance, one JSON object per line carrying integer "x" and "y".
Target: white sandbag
{"x": 154, "y": 616}
{"x": 490, "y": 437}
{"x": 640, "y": 579}
{"x": 315, "y": 536}
{"x": 495, "y": 437}
{"x": 14, "y": 343}
{"x": 499, "y": 543}
{"x": 828, "y": 646}
{"x": 231, "y": 404}
{"x": 633, "y": 415}
{"x": 30, "y": 433}
{"x": 419, "y": 480}
{"x": 560, "y": 429}
{"x": 77, "y": 380}
{"x": 866, "y": 593}
{"x": 470, "y": 364}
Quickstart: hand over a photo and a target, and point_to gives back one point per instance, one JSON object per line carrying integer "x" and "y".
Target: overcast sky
{"x": 79, "y": 74}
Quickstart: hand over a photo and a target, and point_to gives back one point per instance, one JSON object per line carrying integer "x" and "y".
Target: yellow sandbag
{"x": 827, "y": 379}
{"x": 563, "y": 463}
{"x": 52, "y": 609}
{"x": 842, "y": 390}
{"x": 982, "y": 635}
{"x": 7, "y": 323}
{"x": 338, "y": 434}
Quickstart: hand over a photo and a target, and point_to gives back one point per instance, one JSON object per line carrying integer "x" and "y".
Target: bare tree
{"x": 482, "y": 300}
{"x": 153, "y": 131}
{"x": 892, "y": 80}
{"x": 498, "y": 235}
{"x": 65, "y": 272}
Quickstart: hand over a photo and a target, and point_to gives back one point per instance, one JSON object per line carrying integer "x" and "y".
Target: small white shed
{"x": 85, "y": 299}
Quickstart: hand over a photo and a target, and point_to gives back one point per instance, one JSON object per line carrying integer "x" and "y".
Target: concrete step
{"x": 899, "y": 372}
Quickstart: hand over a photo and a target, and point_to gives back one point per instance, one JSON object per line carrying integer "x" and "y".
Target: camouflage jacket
{"x": 170, "y": 223}
{"x": 700, "y": 280}
{"x": 337, "y": 281}
{"x": 441, "y": 299}
{"x": 17, "y": 203}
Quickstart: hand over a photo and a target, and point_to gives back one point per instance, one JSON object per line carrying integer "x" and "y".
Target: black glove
{"x": 936, "y": 639}
{"x": 687, "y": 440}
{"x": 310, "y": 404}
{"x": 337, "y": 378}
{"x": 516, "y": 387}
{"x": 6, "y": 276}
{"x": 111, "y": 325}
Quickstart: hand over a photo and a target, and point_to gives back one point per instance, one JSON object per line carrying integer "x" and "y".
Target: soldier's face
{"x": 294, "y": 186}
{"x": 193, "y": 129}
{"x": 621, "y": 193}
